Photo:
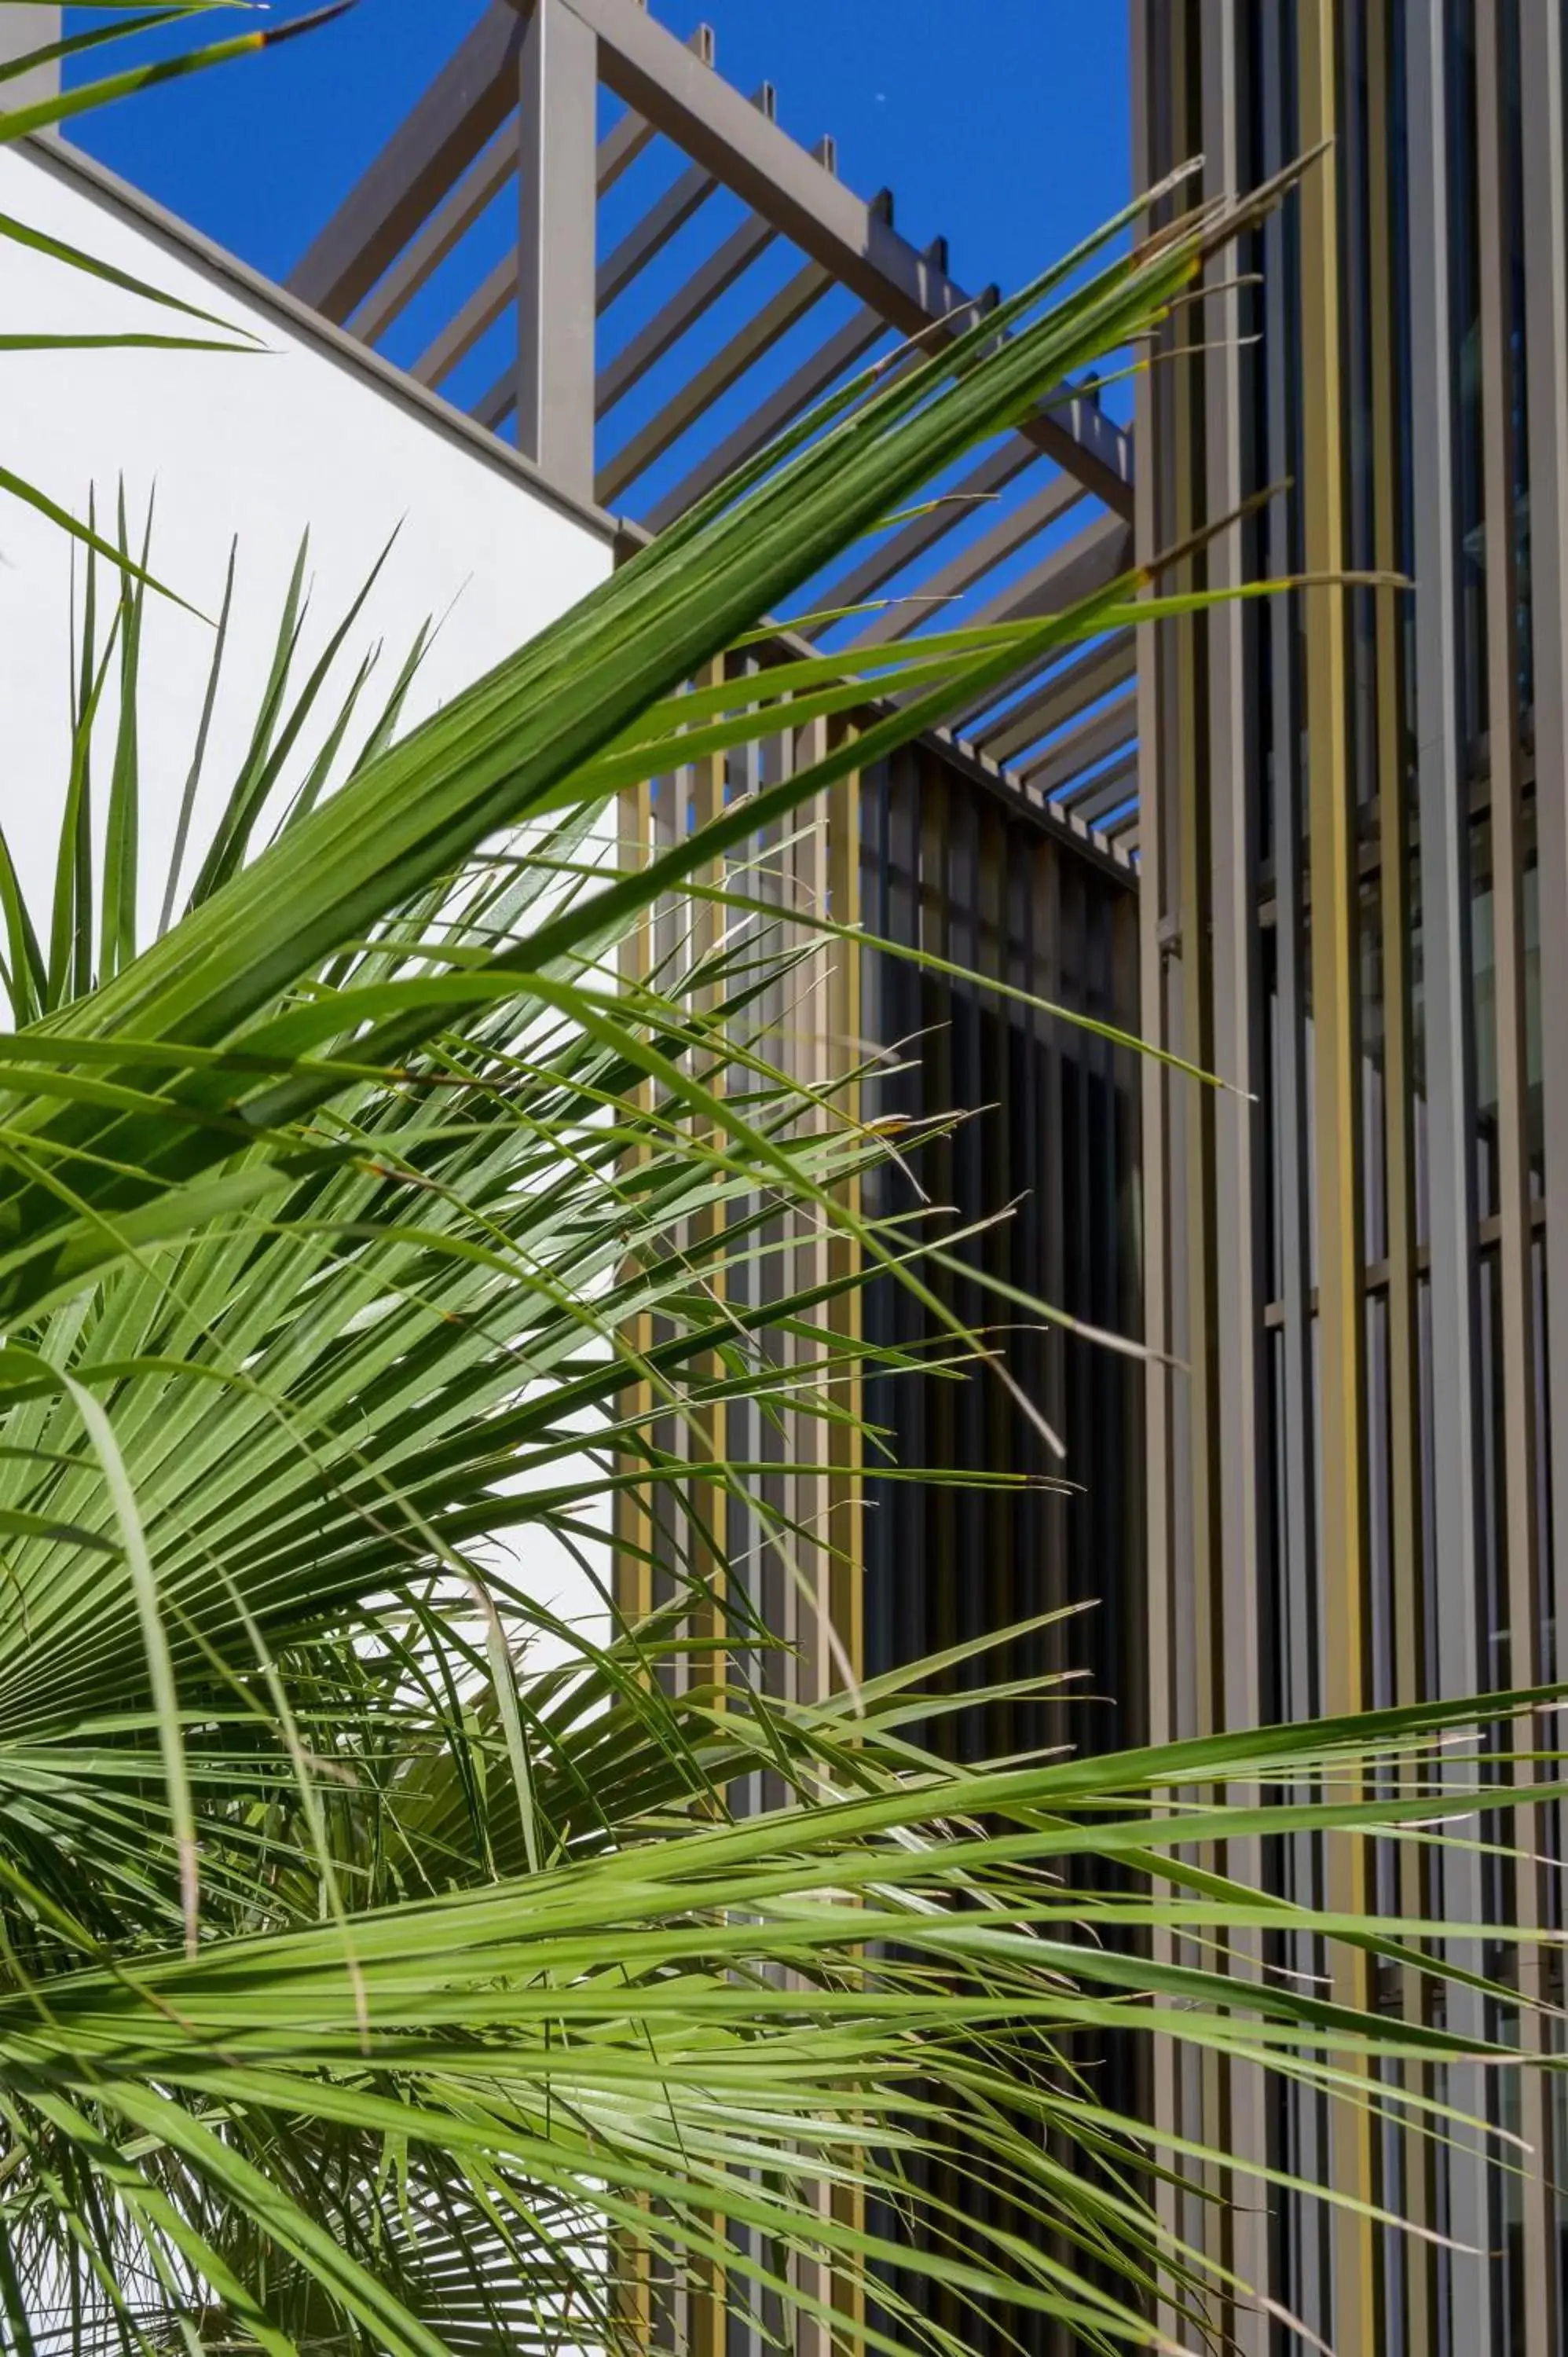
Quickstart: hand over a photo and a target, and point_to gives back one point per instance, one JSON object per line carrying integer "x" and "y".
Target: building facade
{"x": 534, "y": 351}
{"x": 1317, "y": 845}
{"x": 1355, "y": 906}
{"x": 347, "y": 460}
{"x": 705, "y": 277}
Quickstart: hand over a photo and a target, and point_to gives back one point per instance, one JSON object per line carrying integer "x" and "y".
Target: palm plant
{"x": 385, "y": 1958}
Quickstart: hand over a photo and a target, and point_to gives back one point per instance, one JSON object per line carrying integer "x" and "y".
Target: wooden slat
{"x": 1232, "y": 943}
{"x": 1405, "y": 1498}
{"x": 1336, "y": 1087}
{"x": 1152, "y": 157}
{"x": 1520, "y": 1442}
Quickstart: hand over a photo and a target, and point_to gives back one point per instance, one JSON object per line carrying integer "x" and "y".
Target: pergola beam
{"x": 1066, "y": 690}
{"x": 777, "y": 316}
{"x": 1092, "y": 741}
{"x": 626, "y": 140}
{"x": 938, "y": 517}
{"x": 809, "y": 382}
{"x": 684, "y": 308}
{"x": 1088, "y": 562}
{"x": 482, "y": 182}
{"x": 1003, "y": 539}
{"x": 1095, "y": 798}
{"x": 486, "y": 176}
{"x": 1085, "y": 565}
{"x": 469, "y": 99}
{"x": 1104, "y": 795}
{"x": 647, "y": 66}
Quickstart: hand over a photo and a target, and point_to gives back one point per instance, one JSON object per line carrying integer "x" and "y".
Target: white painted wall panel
{"x": 259, "y": 448}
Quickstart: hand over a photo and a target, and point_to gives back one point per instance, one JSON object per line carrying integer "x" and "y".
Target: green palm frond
{"x": 128, "y": 20}
{"x": 388, "y": 1959}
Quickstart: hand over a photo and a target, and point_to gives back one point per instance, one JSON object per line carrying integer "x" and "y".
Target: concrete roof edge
{"x": 54, "y": 155}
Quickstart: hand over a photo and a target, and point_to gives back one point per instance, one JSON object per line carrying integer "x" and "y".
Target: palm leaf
{"x": 64, "y": 105}
{"x": 383, "y": 1952}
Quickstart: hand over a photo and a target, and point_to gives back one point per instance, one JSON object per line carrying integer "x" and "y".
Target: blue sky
{"x": 1002, "y": 123}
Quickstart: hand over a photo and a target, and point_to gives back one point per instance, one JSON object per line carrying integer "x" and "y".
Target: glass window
{"x": 1374, "y": 1131}
{"x": 1496, "y": 1653}
{"x": 1484, "y": 1018}
{"x": 1273, "y": 1213}
{"x": 1534, "y": 1106}
{"x": 1418, "y": 1057}
{"x": 1379, "y": 1520}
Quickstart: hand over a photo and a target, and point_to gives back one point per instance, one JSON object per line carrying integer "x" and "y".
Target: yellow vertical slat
{"x": 1398, "y": 1145}
{"x": 845, "y": 1314}
{"x": 1338, "y": 1165}
{"x": 1149, "y": 100}
{"x": 709, "y": 1436}
{"x": 631, "y": 1565}
{"x": 809, "y": 1049}
{"x": 846, "y": 1575}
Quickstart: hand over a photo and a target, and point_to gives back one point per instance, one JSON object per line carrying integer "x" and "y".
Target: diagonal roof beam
{"x": 936, "y": 519}
{"x": 1099, "y": 795}
{"x": 1088, "y": 563}
{"x": 1080, "y": 748}
{"x": 483, "y": 181}
{"x": 776, "y": 317}
{"x": 1066, "y": 690}
{"x": 625, "y": 141}
{"x": 648, "y": 237}
{"x": 994, "y": 546}
{"x": 479, "y": 186}
{"x": 809, "y": 382}
{"x": 647, "y": 66}
{"x": 478, "y": 316}
{"x": 469, "y": 99}
{"x": 661, "y": 221}
{"x": 684, "y": 308}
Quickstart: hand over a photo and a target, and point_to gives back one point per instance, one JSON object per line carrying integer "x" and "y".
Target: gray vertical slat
{"x": 1545, "y": 205}
{"x": 1442, "y": 805}
{"x": 1148, "y": 94}
{"x": 1535, "y": 2283}
{"x": 1151, "y": 898}
{"x": 1300, "y": 1686}
{"x": 1296, "y": 1573}
{"x": 1546, "y": 349}
{"x": 1234, "y": 943}
{"x": 558, "y": 175}
{"x": 1409, "y": 2276}
{"x": 23, "y": 31}
{"x": 1198, "y": 1418}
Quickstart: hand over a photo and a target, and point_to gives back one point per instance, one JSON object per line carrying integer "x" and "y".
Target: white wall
{"x": 259, "y": 446}
{"x": 262, "y": 446}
